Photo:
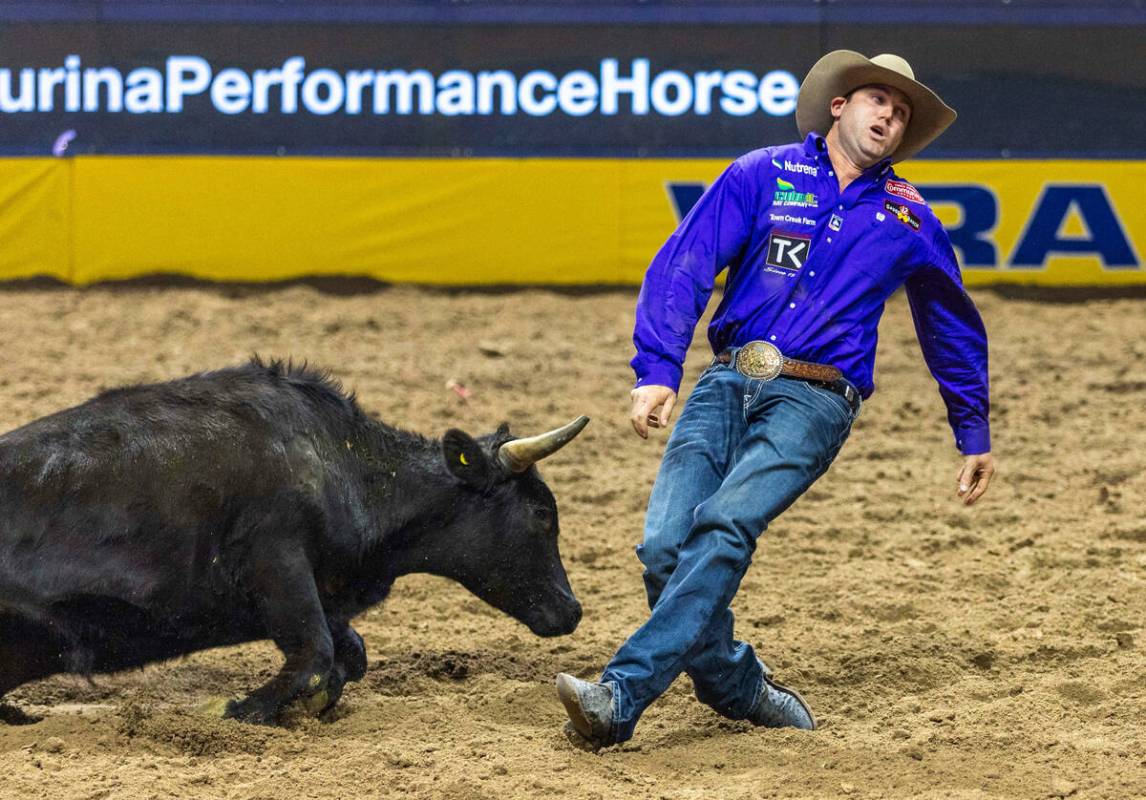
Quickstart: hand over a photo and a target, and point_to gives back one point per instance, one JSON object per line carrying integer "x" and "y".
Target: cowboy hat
{"x": 841, "y": 71}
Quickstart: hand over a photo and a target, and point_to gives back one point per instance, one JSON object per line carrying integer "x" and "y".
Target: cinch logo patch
{"x": 788, "y": 251}
{"x": 786, "y": 195}
{"x": 903, "y": 214}
{"x": 904, "y": 191}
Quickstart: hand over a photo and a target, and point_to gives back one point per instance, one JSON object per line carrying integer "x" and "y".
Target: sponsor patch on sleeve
{"x": 904, "y": 191}
{"x": 902, "y": 213}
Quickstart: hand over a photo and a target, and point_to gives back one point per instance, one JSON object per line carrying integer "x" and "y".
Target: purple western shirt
{"x": 809, "y": 269}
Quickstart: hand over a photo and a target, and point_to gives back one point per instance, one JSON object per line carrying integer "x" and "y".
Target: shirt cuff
{"x": 660, "y": 374}
{"x": 973, "y": 441}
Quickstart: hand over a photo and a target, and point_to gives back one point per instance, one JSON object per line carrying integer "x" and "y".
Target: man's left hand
{"x": 975, "y": 476}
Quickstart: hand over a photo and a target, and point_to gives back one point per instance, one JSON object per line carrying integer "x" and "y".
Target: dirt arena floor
{"x": 992, "y": 652}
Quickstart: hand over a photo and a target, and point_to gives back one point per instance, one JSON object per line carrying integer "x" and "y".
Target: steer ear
{"x": 466, "y": 459}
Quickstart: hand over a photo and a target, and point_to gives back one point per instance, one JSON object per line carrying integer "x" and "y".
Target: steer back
{"x": 249, "y": 503}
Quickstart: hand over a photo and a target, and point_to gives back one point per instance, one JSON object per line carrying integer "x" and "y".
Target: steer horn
{"x": 520, "y": 454}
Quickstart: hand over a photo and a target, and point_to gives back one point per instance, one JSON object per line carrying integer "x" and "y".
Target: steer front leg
{"x": 288, "y": 599}
{"x": 349, "y": 650}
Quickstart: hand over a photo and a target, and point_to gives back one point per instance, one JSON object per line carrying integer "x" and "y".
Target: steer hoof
{"x": 326, "y": 697}
{"x": 251, "y": 711}
{"x": 317, "y": 702}
{"x": 355, "y": 667}
{"x": 350, "y": 655}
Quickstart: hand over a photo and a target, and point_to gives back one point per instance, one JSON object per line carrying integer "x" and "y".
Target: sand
{"x": 949, "y": 652}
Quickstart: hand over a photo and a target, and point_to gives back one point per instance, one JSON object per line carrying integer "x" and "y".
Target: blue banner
{"x": 596, "y": 79}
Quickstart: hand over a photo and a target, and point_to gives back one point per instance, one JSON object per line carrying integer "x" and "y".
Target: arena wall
{"x": 504, "y": 221}
{"x": 417, "y": 141}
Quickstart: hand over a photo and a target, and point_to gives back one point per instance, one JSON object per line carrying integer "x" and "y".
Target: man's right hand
{"x": 652, "y": 408}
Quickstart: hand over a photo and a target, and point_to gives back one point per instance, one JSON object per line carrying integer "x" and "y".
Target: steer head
{"x": 504, "y": 537}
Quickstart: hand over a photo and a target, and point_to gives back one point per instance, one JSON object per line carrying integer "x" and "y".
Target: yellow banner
{"x": 35, "y": 218}
{"x": 505, "y": 221}
{"x": 1066, "y": 223}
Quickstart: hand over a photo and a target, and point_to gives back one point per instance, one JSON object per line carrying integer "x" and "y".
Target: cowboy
{"x": 816, "y": 236}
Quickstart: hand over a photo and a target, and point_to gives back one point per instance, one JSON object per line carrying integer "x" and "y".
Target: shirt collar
{"x": 816, "y": 146}
{"x": 877, "y": 171}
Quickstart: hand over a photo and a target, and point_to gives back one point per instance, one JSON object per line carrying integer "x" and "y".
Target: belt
{"x": 764, "y": 361}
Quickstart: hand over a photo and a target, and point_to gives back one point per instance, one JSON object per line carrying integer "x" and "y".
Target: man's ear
{"x": 466, "y": 460}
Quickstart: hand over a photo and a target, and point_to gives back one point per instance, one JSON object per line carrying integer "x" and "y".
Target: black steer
{"x": 251, "y": 503}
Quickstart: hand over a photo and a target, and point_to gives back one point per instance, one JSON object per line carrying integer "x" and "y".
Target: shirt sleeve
{"x": 954, "y": 344}
{"x": 679, "y": 281}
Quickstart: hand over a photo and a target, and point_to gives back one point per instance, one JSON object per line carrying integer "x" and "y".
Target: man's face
{"x": 871, "y": 122}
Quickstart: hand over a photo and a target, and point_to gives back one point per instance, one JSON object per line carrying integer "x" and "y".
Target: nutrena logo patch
{"x": 795, "y": 166}
{"x": 903, "y": 214}
{"x": 904, "y": 191}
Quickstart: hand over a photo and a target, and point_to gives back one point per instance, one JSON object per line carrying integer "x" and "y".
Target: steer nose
{"x": 560, "y": 623}
{"x": 574, "y": 617}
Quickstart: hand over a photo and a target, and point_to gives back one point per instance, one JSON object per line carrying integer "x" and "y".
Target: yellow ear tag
{"x": 462, "y": 458}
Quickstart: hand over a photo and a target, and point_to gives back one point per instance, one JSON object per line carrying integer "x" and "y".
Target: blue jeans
{"x": 742, "y": 451}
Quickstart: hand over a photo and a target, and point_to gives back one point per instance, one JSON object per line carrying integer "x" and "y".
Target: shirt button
{"x": 772, "y": 337}
{"x": 841, "y": 208}
{"x": 791, "y": 305}
{"x": 831, "y": 174}
{"x": 829, "y": 239}
{"x": 813, "y": 273}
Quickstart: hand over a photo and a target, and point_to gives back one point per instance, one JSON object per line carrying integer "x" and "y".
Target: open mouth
{"x": 877, "y": 131}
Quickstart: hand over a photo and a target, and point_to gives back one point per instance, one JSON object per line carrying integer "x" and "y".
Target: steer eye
{"x": 542, "y": 514}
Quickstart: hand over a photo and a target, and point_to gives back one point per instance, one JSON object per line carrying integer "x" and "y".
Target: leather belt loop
{"x": 849, "y": 392}
{"x": 725, "y": 356}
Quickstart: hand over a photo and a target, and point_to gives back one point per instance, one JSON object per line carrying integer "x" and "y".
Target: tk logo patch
{"x": 788, "y": 251}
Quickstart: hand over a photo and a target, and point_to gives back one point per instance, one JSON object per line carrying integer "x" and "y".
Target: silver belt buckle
{"x": 760, "y": 360}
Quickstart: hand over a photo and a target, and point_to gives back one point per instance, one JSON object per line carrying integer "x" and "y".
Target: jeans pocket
{"x": 837, "y": 401}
